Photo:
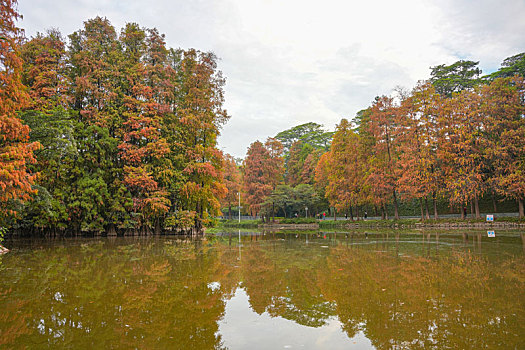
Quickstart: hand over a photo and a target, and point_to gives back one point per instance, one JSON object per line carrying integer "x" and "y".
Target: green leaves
{"x": 456, "y": 77}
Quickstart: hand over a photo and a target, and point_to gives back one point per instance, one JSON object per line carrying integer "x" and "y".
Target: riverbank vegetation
{"x": 110, "y": 132}
{"x": 448, "y": 144}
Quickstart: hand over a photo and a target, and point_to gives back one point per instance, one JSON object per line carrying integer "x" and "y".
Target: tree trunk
{"x": 472, "y": 207}
{"x": 376, "y": 211}
{"x": 111, "y": 230}
{"x": 335, "y": 215}
{"x": 494, "y": 202}
{"x": 427, "y": 214}
{"x": 273, "y": 212}
{"x": 351, "y": 214}
{"x": 229, "y": 211}
{"x": 421, "y": 206}
{"x": 435, "y": 205}
{"x": 357, "y": 212}
{"x": 520, "y": 208}
{"x": 382, "y": 213}
{"x": 386, "y": 211}
{"x": 476, "y": 207}
{"x": 396, "y": 211}
{"x": 158, "y": 228}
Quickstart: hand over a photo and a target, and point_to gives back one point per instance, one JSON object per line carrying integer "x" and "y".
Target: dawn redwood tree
{"x": 99, "y": 200}
{"x": 461, "y": 148}
{"x": 44, "y": 65}
{"x": 16, "y": 151}
{"x": 142, "y": 146}
{"x": 382, "y": 162}
{"x": 346, "y": 170}
{"x": 503, "y": 108}
{"x": 200, "y": 114}
{"x": 417, "y": 142}
{"x": 307, "y": 174}
{"x": 322, "y": 170}
{"x": 263, "y": 171}
{"x": 232, "y": 181}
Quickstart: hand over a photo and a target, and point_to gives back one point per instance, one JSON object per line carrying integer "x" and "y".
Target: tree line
{"x": 114, "y": 132}
{"x": 457, "y": 137}
{"x": 107, "y": 132}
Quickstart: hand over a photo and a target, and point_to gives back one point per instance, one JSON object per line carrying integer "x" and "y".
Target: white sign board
{"x": 490, "y": 217}
{"x": 491, "y": 234}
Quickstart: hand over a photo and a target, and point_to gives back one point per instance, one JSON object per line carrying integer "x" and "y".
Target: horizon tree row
{"x": 456, "y": 138}
{"x": 429, "y": 146}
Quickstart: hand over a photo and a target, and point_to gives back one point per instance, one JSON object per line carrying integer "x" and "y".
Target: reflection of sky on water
{"x": 243, "y": 328}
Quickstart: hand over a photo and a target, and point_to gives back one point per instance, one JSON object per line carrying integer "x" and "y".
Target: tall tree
{"x": 346, "y": 172}
{"x": 232, "y": 181}
{"x": 310, "y": 133}
{"x": 503, "y": 107}
{"x": 418, "y": 143}
{"x": 298, "y": 169}
{"x": 199, "y": 110}
{"x": 263, "y": 170}
{"x": 461, "y": 148}
{"x": 456, "y": 77}
{"x": 511, "y": 66}
{"x": 383, "y": 168}
{"x": 43, "y": 70}
{"x": 16, "y": 152}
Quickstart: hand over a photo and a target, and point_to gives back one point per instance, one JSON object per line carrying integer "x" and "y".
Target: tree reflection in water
{"x": 400, "y": 290}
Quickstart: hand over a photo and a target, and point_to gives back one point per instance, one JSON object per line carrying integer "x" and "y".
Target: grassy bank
{"x": 446, "y": 222}
{"x": 329, "y": 224}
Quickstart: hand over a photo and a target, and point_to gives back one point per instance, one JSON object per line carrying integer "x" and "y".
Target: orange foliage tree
{"x": 382, "y": 127}
{"x": 417, "y": 142}
{"x": 461, "y": 148}
{"x": 263, "y": 171}
{"x": 15, "y": 149}
{"x": 503, "y": 107}
{"x": 343, "y": 170}
{"x": 232, "y": 181}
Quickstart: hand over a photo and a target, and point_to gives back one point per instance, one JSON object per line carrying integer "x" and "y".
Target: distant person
{"x": 465, "y": 212}
{"x": 346, "y": 216}
{"x": 366, "y": 214}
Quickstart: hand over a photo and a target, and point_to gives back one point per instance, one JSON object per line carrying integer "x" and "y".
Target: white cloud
{"x": 295, "y": 61}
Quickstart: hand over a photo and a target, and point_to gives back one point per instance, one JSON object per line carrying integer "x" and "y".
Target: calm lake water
{"x": 344, "y": 290}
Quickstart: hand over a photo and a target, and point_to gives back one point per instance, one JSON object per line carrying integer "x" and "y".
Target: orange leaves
{"x": 263, "y": 169}
{"x": 15, "y": 151}
{"x": 138, "y": 179}
{"x": 232, "y": 179}
{"x": 342, "y": 169}
{"x": 201, "y": 169}
{"x": 157, "y": 203}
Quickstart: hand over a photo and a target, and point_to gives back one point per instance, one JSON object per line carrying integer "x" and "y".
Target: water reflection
{"x": 375, "y": 289}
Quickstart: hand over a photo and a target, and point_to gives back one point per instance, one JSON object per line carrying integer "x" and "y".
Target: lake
{"x": 267, "y": 290}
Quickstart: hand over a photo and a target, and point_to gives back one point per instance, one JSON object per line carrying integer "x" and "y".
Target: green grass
{"x": 237, "y": 224}
{"x": 327, "y": 224}
{"x": 407, "y": 222}
{"x": 295, "y": 221}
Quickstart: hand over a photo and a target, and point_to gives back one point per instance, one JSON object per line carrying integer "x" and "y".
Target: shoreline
{"x": 402, "y": 223}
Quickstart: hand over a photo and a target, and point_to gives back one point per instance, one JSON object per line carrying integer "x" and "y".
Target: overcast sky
{"x": 289, "y": 62}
